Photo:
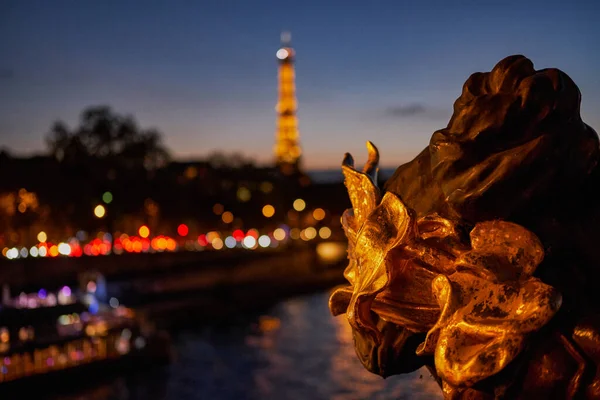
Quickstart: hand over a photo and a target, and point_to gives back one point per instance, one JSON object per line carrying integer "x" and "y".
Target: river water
{"x": 295, "y": 350}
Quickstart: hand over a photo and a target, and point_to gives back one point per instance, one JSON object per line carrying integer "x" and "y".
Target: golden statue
{"x": 478, "y": 260}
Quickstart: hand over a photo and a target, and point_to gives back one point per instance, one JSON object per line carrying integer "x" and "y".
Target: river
{"x": 294, "y": 350}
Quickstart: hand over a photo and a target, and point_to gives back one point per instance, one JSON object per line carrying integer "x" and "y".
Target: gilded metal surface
{"x": 480, "y": 259}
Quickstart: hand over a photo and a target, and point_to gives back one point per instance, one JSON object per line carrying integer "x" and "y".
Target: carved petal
{"x": 483, "y": 325}
{"x": 389, "y": 224}
{"x": 362, "y": 186}
{"x": 505, "y": 251}
{"x": 349, "y": 225}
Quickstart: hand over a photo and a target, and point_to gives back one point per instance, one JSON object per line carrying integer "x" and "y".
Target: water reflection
{"x": 294, "y": 351}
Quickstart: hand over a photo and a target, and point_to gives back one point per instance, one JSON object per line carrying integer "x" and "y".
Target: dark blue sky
{"x": 204, "y": 72}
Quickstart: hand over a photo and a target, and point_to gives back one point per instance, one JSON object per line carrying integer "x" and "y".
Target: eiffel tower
{"x": 287, "y": 147}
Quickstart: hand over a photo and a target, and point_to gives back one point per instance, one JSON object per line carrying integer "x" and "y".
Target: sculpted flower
{"x": 373, "y": 228}
{"x": 489, "y": 305}
{"x": 384, "y": 239}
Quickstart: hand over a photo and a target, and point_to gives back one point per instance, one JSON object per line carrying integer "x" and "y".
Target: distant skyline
{"x": 205, "y": 74}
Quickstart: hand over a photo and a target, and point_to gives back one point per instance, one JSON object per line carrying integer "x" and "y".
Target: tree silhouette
{"x": 105, "y": 152}
{"x": 107, "y": 139}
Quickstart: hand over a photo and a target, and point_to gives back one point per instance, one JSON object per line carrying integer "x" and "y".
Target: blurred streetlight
{"x": 299, "y": 204}
{"x": 268, "y": 211}
{"x": 99, "y": 211}
{"x": 107, "y": 197}
{"x": 42, "y": 237}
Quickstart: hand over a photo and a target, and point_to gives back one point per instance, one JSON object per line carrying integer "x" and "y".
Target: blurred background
{"x": 170, "y": 189}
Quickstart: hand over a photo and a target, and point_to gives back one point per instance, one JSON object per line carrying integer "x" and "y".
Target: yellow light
{"x": 53, "y": 251}
{"x": 42, "y": 237}
{"x": 325, "y": 232}
{"x": 331, "y": 252}
{"x": 227, "y": 217}
{"x": 144, "y": 231}
{"x": 310, "y": 233}
{"x": 99, "y": 211}
{"x": 299, "y": 204}
{"x": 268, "y": 211}
{"x": 217, "y": 243}
{"x": 319, "y": 214}
{"x": 279, "y": 234}
{"x": 244, "y": 194}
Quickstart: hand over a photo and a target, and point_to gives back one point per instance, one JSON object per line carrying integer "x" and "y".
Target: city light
{"x": 268, "y": 211}
{"x": 279, "y": 234}
{"x": 319, "y": 214}
{"x": 99, "y": 211}
{"x": 107, "y": 197}
{"x": 243, "y": 194}
{"x": 249, "y": 242}
{"x": 64, "y": 249}
{"x": 182, "y": 230}
{"x": 264, "y": 241}
{"x": 42, "y": 237}
{"x": 33, "y": 251}
{"x": 282, "y": 54}
{"x": 217, "y": 243}
{"x": 144, "y": 231}
{"x": 230, "y": 242}
{"x": 310, "y": 233}
{"x": 218, "y": 209}
{"x": 227, "y": 217}
{"x": 325, "y": 232}
{"x": 299, "y": 204}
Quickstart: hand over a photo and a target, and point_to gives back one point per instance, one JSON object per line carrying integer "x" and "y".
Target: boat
{"x": 52, "y": 333}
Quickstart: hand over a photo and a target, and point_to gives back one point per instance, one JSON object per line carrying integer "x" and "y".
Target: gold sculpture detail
{"x": 474, "y": 296}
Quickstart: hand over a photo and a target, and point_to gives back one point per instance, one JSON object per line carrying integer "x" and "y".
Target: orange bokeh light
{"x": 144, "y": 231}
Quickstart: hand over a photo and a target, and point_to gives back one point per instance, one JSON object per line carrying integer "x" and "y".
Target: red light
{"x": 182, "y": 230}
{"x": 202, "y": 240}
{"x": 238, "y": 235}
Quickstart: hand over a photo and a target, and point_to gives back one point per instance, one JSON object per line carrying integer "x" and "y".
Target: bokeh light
{"x": 99, "y": 211}
{"x": 42, "y": 237}
{"x": 144, "y": 231}
{"x": 182, "y": 230}
{"x": 299, "y": 204}
{"x": 268, "y": 211}
{"x": 319, "y": 214}
{"x": 227, "y": 217}
{"x": 107, "y": 197}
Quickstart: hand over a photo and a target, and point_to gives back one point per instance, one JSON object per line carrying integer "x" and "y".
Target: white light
{"x": 24, "y": 253}
{"x": 12, "y": 253}
{"x": 282, "y": 54}
{"x": 249, "y": 242}
{"x": 43, "y": 251}
{"x": 114, "y": 302}
{"x": 139, "y": 343}
{"x": 264, "y": 241}
{"x": 33, "y": 251}
{"x": 64, "y": 249}
{"x": 230, "y": 242}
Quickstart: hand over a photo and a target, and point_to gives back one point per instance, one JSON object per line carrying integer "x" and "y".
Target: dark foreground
{"x": 293, "y": 350}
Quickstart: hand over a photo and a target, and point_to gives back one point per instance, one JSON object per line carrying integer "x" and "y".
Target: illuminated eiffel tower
{"x": 287, "y": 147}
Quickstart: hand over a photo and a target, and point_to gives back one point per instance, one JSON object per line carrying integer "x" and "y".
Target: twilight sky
{"x": 204, "y": 72}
